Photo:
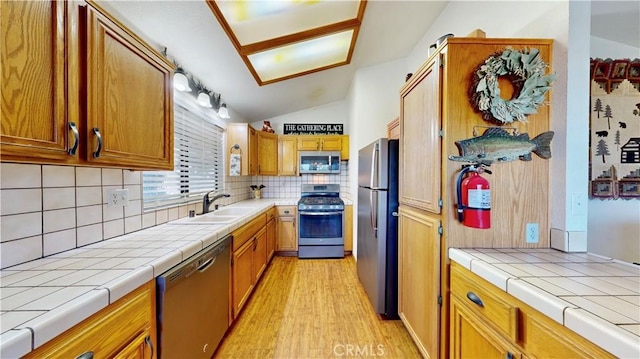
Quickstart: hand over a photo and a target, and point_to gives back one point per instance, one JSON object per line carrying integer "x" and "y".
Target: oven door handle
{"x": 318, "y": 213}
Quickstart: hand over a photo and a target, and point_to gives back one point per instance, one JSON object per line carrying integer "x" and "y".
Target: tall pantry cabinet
{"x": 435, "y": 112}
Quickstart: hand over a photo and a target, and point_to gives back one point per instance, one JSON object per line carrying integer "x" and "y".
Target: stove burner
{"x": 320, "y": 197}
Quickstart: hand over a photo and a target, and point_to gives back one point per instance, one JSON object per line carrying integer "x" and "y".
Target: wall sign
{"x": 313, "y": 129}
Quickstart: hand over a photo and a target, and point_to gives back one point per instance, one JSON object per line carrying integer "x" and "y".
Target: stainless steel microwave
{"x": 319, "y": 162}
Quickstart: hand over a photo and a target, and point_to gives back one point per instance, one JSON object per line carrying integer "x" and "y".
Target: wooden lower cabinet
{"x": 124, "y": 329}
{"x": 271, "y": 237}
{"x": 481, "y": 331}
{"x": 259, "y": 254}
{"x": 471, "y": 338}
{"x": 250, "y": 257}
{"x": 287, "y": 232}
{"x": 419, "y": 278}
{"x": 348, "y": 229}
{"x": 243, "y": 278}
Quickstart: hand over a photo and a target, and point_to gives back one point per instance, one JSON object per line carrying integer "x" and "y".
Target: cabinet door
{"x": 287, "y": 234}
{"x": 271, "y": 239}
{"x": 344, "y": 151}
{"x": 253, "y": 151}
{"x": 259, "y": 254}
{"x": 419, "y": 278}
{"x": 34, "y": 93}
{"x": 348, "y": 228}
{"x": 243, "y": 279}
{"x": 471, "y": 338}
{"x": 129, "y": 99}
{"x": 287, "y": 156}
{"x": 308, "y": 143}
{"x": 420, "y": 142}
{"x": 331, "y": 143}
{"x": 267, "y": 153}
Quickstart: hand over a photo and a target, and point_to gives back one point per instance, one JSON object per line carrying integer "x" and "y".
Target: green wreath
{"x": 526, "y": 71}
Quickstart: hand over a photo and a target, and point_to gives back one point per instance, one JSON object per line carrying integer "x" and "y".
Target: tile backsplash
{"x": 47, "y": 209}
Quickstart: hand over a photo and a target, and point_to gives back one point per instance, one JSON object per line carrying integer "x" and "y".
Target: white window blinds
{"x": 198, "y": 161}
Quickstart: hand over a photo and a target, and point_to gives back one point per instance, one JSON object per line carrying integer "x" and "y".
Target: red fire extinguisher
{"x": 474, "y": 198}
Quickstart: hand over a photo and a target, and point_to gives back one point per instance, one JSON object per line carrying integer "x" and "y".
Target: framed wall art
{"x": 615, "y": 130}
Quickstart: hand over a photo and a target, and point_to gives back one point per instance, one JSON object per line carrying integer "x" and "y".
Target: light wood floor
{"x": 313, "y": 308}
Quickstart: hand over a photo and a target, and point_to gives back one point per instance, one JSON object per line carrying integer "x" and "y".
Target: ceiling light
{"x": 279, "y": 40}
{"x": 223, "y": 112}
{"x": 204, "y": 99}
{"x": 181, "y": 82}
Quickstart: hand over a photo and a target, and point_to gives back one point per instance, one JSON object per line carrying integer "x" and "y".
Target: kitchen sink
{"x": 232, "y": 211}
{"x": 206, "y": 219}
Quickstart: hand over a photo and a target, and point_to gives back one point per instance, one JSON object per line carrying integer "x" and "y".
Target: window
{"x": 198, "y": 159}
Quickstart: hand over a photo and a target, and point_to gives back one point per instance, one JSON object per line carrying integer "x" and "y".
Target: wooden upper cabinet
{"x": 245, "y": 137}
{"x": 420, "y": 145}
{"x": 67, "y": 68}
{"x": 320, "y": 143}
{"x": 267, "y": 153}
{"x": 129, "y": 98}
{"x": 33, "y": 85}
{"x": 287, "y": 156}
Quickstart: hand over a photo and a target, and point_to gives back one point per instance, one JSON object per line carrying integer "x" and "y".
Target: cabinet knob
{"x": 76, "y": 141}
{"x": 96, "y": 131}
{"x": 474, "y": 298}
{"x": 286, "y": 211}
{"x": 85, "y": 355}
{"x": 149, "y": 343}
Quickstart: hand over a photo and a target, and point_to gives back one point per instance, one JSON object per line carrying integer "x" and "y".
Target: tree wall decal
{"x": 616, "y": 140}
{"x": 598, "y": 107}
{"x": 608, "y": 115}
{"x": 602, "y": 150}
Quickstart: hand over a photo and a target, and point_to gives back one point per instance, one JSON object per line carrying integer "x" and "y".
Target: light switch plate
{"x": 531, "y": 233}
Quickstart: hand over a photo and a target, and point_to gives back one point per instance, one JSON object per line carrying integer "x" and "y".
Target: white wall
{"x": 614, "y": 226}
{"x": 373, "y": 101}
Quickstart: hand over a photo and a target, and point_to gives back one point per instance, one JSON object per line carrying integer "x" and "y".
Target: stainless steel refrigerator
{"x": 377, "y": 256}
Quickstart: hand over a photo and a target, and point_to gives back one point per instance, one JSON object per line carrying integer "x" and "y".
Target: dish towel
{"x": 234, "y": 164}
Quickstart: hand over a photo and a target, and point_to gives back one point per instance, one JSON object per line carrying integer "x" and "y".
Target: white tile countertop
{"x": 595, "y": 296}
{"x": 43, "y": 298}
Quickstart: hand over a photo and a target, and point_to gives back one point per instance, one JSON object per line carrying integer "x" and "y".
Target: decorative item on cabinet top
{"x": 497, "y": 145}
{"x": 525, "y": 69}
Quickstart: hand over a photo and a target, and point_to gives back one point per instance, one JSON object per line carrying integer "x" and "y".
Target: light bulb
{"x": 223, "y": 112}
{"x": 204, "y": 100}
{"x": 181, "y": 82}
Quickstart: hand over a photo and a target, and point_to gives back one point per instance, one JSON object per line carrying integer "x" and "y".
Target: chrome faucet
{"x": 206, "y": 202}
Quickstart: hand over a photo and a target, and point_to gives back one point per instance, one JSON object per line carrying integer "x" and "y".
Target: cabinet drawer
{"x": 286, "y": 211}
{"x": 479, "y": 296}
{"x": 246, "y": 232}
{"x": 109, "y": 331}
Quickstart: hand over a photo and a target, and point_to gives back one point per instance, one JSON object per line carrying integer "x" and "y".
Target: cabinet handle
{"x": 474, "y": 298}
{"x": 76, "y": 141}
{"x": 149, "y": 343}
{"x": 258, "y": 168}
{"x": 255, "y": 244}
{"x": 286, "y": 211}
{"x": 294, "y": 222}
{"x": 509, "y": 355}
{"x": 96, "y": 131}
{"x": 85, "y": 355}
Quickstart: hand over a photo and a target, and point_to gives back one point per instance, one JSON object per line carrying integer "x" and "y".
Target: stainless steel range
{"x": 320, "y": 222}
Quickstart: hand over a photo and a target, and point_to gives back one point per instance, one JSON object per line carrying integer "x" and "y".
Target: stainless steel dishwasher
{"x": 193, "y": 304}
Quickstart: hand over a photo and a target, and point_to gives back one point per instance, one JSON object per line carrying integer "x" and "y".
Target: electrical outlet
{"x": 117, "y": 197}
{"x": 531, "y": 233}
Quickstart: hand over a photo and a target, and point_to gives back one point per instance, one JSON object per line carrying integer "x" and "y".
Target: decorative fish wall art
{"x": 497, "y": 145}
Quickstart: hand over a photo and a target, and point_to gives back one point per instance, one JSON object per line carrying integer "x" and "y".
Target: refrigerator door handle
{"x": 374, "y": 212}
{"x": 373, "y": 182}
